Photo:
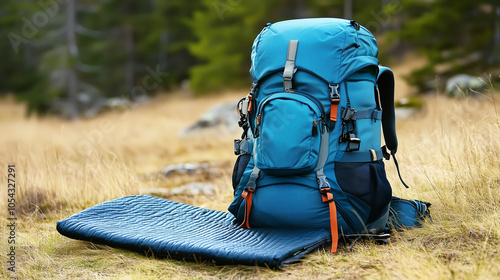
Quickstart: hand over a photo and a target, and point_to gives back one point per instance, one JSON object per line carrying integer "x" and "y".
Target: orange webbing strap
{"x": 333, "y": 109}
{"x": 247, "y": 195}
{"x": 334, "y": 95}
{"x": 328, "y": 197}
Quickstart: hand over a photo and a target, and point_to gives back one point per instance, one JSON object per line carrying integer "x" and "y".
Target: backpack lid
{"x": 331, "y": 48}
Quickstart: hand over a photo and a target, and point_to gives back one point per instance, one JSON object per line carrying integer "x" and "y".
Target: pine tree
{"x": 18, "y": 52}
{"x": 226, "y": 29}
{"x": 454, "y": 36}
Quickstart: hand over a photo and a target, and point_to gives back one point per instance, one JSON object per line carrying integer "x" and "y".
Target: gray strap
{"x": 369, "y": 114}
{"x": 323, "y": 156}
{"x": 323, "y": 148}
{"x": 252, "y": 181}
{"x": 290, "y": 64}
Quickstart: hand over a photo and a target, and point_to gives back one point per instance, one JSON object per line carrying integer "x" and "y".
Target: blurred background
{"x": 104, "y": 99}
{"x": 77, "y": 58}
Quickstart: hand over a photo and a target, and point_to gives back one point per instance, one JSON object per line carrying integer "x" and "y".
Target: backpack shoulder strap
{"x": 385, "y": 85}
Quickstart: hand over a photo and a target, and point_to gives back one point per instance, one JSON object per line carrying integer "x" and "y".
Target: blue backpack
{"x": 310, "y": 152}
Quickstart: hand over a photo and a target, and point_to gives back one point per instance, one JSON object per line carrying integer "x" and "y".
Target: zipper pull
{"x": 258, "y": 119}
{"x": 315, "y": 128}
{"x": 250, "y": 103}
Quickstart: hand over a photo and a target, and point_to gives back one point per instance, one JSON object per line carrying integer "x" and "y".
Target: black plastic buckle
{"x": 349, "y": 114}
{"x": 251, "y": 186}
{"x": 323, "y": 184}
{"x": 243, "y": 122}
{"x": 353, "y": 143}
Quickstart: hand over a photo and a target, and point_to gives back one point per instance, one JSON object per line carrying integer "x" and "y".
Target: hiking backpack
{"x": 310, "y": 152}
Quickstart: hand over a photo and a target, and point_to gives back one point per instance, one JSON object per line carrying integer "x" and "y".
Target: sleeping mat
{"x": 171, "y": 229}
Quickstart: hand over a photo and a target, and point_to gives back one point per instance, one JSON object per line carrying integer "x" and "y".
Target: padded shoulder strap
{"x": 385, "y": 83}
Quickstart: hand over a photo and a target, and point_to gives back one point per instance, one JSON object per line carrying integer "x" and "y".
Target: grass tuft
{"x": 449, "y": 154}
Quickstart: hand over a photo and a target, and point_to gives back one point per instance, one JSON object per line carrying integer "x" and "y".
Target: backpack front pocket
{"x": 288, "y": 133}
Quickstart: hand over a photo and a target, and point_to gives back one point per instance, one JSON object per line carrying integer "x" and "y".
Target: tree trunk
{"x": 496, "y": 38}
{"x": 129, "y": 51}
{"x": 163, "y": 56}
{"x": 73, "y": 55}
{"x": 348, "y": 9}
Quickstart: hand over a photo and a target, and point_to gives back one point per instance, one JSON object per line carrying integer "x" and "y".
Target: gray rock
{"x": 189, "y": 189}
{"x": 464, "y": 85}
{"x": 405, "y": 113}
{"x": 89, "y": 105}
{"x": 187, "y": 168}
{"x": 194, "y": 189}
{"x": 221, "y": 116}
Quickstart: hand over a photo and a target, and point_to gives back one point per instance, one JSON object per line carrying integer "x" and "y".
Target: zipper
{"x": 306, "y": 95}
{"x": 315, "y": 101}
{"x": 311, "y": 98}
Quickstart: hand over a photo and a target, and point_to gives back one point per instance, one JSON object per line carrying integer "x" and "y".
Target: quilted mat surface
{"x": 170, "y": 229}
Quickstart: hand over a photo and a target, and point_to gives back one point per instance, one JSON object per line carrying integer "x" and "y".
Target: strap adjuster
{"x": 246, "y": 192}
{"x": 353, "y": 143}
{"x": 243, "y": 146}
{"x": 251, "y": 186}
{"x": 323, "y": 184}
{"x": 377, "y": 115}
{"x": 349, "y": 114}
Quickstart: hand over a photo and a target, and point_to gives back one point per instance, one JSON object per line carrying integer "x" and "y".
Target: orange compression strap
{"x": 328, "y": 197}
{"x": 247, "y": 195}
{"x": 333, "y": 109}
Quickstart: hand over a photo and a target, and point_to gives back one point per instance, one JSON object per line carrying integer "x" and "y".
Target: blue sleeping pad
{"x": 180, "y": 231}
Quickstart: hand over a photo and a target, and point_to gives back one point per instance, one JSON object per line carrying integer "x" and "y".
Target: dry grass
{"x": 449, "y": 154}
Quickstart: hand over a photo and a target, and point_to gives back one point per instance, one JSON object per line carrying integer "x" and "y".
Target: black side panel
{"x": 239, "y": 168}
{"x": 368, "y": 182}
